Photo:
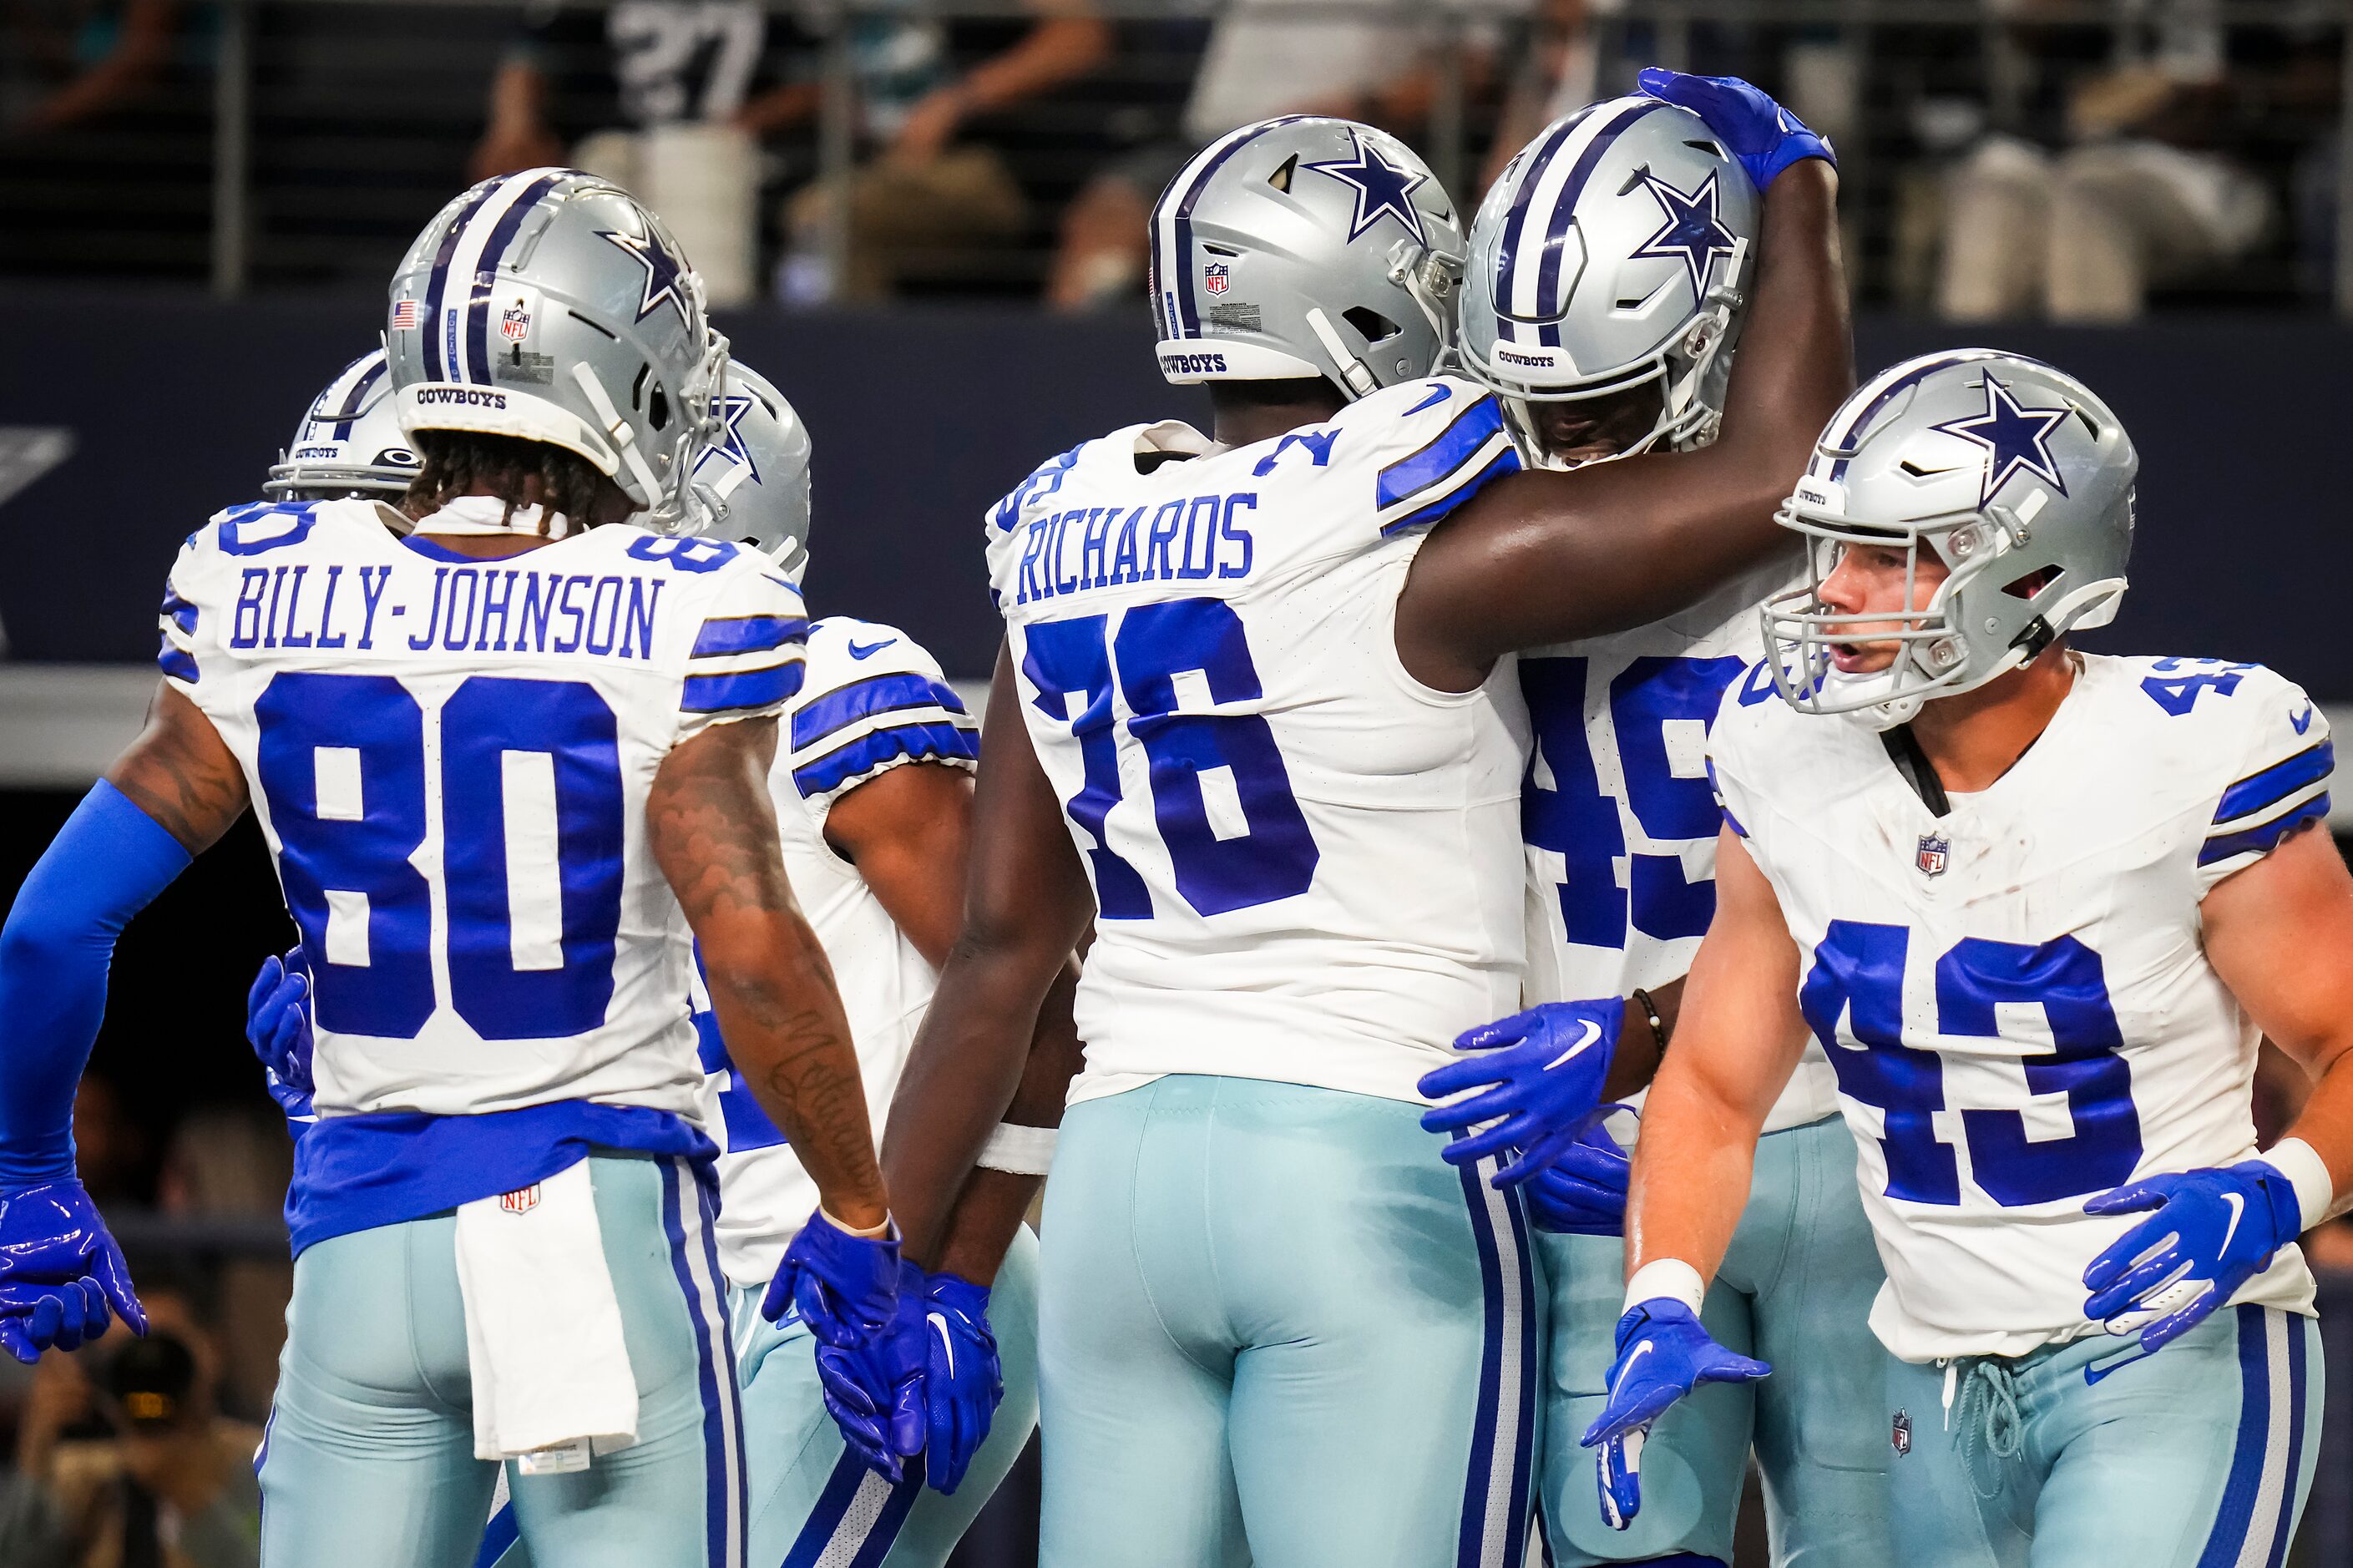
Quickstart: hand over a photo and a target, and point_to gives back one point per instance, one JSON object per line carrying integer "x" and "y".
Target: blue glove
{"x": 1584, "y": 1192}
{"x": 59, "y": 1271}
{"x": 1763, "y": 137}
{"x": 277, "y": 1024}
{"x": 1664, "y": 1353}
{"x": 963, "y": 1379}
{"x": 1545, "y": 1067}
{"x": 2214, "y": 1230}
{"x": 844, "y": 1287}
{"x": 874, "y": 1389}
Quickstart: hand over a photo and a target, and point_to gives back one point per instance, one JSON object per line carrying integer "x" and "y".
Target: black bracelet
{"x": 1651, "y": 1015}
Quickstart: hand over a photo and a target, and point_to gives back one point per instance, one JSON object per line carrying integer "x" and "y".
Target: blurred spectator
{"x": 2133, "y": 189}
{"x": 234, "y": 1163}
{"x": 929, "y": 180}
{"x": 1556, "y": 74}
{"x": 1381, "y": 66}
{"x": 30, "y": 1534}
{"x": 170, "y": 1483}
{"x": 73, "y": 62}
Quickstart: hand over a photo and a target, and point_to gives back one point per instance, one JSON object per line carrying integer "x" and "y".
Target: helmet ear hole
{"x": 2033, "y": 583}
{"x": 1375, "y": 327}
{"x": 658, "y": 410}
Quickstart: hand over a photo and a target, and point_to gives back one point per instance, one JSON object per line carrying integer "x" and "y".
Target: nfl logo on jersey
{"x": 522, "y": 1200}
{"x": 1214, "y": 275}
{"x": 1901, "y": 1433}
{"x": 1935, "y": 850}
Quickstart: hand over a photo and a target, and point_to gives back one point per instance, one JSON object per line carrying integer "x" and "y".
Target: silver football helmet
{"x": 550, "y": 306}
{"x": 2012, "y": 472}
{"x": 1304, "y": 247}
{"x": 348, "y": 444}
{"x": 752, "y": 483}
{"x": 1614, "y": 252}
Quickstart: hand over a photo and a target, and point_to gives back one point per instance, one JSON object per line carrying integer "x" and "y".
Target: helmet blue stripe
{"x": 486, "y": 270}
{"x": 434, "y": 369}
{"x": 355, "y": 400}
{"x": 1188, "y": 322}
{"x": 1526, "y": 193}
{"x": 1910, "y": 378}
{"x": 1565, "y": 211}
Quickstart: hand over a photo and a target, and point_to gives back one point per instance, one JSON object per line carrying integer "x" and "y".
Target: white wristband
{"x": 1668, "y": 1278}
{"x": 1021, "y": 1151}
{"x": 2316, "y": 1189}
{"x": 885, "y": 1231}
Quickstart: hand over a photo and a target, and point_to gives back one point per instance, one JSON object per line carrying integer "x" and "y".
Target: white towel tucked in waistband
{"x": 550, "y": 1374}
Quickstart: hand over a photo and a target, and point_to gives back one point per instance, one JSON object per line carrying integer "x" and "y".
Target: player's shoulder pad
{"x": 1037, "y": 492}
{"x": 1431, "y": 445}
{"x": 875, "y": 698}
{"x": 843, "y": 649}
{"x": 2241, "y": 739}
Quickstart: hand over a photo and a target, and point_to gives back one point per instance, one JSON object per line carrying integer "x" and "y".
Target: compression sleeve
{"x": 107, "y": 863}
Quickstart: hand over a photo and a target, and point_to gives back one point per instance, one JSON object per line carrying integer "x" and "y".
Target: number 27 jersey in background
{"x": 1306, "y": 864}
{"x": 2015, "y": 996}
{"x": 451, "y": 758}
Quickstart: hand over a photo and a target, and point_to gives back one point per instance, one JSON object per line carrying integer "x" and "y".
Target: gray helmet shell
{"x": 2003, "y": 466}
{"x": 752, "y": 483}
{"x": 1614, "y": 251}
{"x": 1304, "y": 247}
{"x": 550, "y": 306}
{"x": 350, "y": 442}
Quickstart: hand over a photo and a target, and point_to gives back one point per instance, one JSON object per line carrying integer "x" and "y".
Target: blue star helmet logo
{"x": 2014, "y": 437}
{"x": 665, "y": 272}
{"x": 1693, "y": 234}
{"x": 1380, "y": 187}
{"x": 733, "y": 409}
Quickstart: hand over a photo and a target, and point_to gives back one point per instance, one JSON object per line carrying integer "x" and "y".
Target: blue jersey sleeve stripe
{"x": 745, "y": 689}
{"x": 846, "y": 705}
{"x": 183, "y": 614}
{"x": 179, "y": 665}
{"x": 2279, "y": 781}
{"x": 2263, "y": 836}
{"x": 1449, "y": 450}
{"x": 1506, "y": 461}
{"x": 747, "y": 634}
{"x": 917, "y": 743}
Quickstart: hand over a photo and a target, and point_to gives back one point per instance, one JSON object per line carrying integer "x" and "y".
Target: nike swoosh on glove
{"x": 60, "y": 1272}
{"x": 1663, "y": 1353}
{"x": 1762, "y": 137}
{"x": 874, "y": 1389}
{"x": 1540, "y": 1075}
{"x": 2215, "y": 1229}
{"x": 277, "y": 1026}
{"x": 963, "y": 1379}
{"x": 1583, "y": 1192}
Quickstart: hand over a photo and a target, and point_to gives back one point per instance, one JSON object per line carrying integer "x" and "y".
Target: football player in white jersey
{"x": 875, "y": 850}
{"x": 1627, "y": 352}
{"x": 506, "y": 763}
{"x": 2038, "y": 906}
{"x": 1245, "y": 723}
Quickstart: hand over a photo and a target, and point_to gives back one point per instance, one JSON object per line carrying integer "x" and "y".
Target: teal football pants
{"x": 2197, "y": 1456}
{"x": 1795, "y": 1292}
{"x": 369, "y": 1458}
{"x": 1276, "y": 1329}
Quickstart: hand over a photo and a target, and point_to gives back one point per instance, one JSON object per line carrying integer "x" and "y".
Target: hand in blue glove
{"x": 59, "y": 1271}
{"x": 844, "y": 1287}
{"x": 1583, "y": 1192}
{"x": 1763, "y": 137}
{"x": 874, "y": 1389}
{"x": 2215, "y": 1229}
{"x": 963, "y": 1381}
{"x": 277, "y": 1023}
{"x": 1663, "y": 1353}
{"x": 1542, "y": 1072}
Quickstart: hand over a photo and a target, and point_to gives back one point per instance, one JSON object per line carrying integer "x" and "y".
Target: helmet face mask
{"x": 552, "y": 307}
{"x": 348, "y": 443}
{"x": 2033, "y": 536}
{"x": 1613, "y": 252}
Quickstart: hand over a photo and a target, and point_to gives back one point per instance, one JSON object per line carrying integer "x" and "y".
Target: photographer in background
{"x": 142, "y": 1470}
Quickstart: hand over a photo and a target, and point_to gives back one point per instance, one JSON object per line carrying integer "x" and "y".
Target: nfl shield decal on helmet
{"x": 514, "y": 321}
{"x": 1214, "y": 275}
{"x": 522, "y": 1200}
{"x": 1901, "y": 1435}
{"x": 1935, "y": 853}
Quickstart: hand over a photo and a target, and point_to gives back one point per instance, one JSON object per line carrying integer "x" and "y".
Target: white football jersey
{"x": 1306, "y": 863}
{"x": 2014, "y": 994}
{"x": 1619, "y": 820}
{"x": 451, "y": 758}
{"x": 874, "y": 700}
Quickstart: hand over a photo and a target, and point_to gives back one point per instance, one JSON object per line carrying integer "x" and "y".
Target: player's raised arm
{"x": 713, "y": 827}
{"x": 1026, "y": 905}
{"x": 1544, "y": 557}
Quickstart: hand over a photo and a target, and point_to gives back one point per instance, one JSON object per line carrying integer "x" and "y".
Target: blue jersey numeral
{"x": 367, "y": 734}
{"x": 2177, "y": 694}
{"x": 1576, "y": 818}
{"x": 1857, "y": 973}
{"x": 1275, "y": 855}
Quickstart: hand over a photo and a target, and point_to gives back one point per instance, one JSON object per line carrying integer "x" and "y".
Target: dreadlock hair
{"x": 463, "y": 462}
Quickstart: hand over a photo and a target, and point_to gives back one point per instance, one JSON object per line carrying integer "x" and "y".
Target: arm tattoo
{"x": 181, "y": 773}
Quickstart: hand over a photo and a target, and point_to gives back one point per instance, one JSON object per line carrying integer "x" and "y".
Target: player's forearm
{"x": 1692, "y": 1169}
{"x": 1796, "y": 361}
{"x": 987, "y": 1216}
{"x": 2325, "y": 1126}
